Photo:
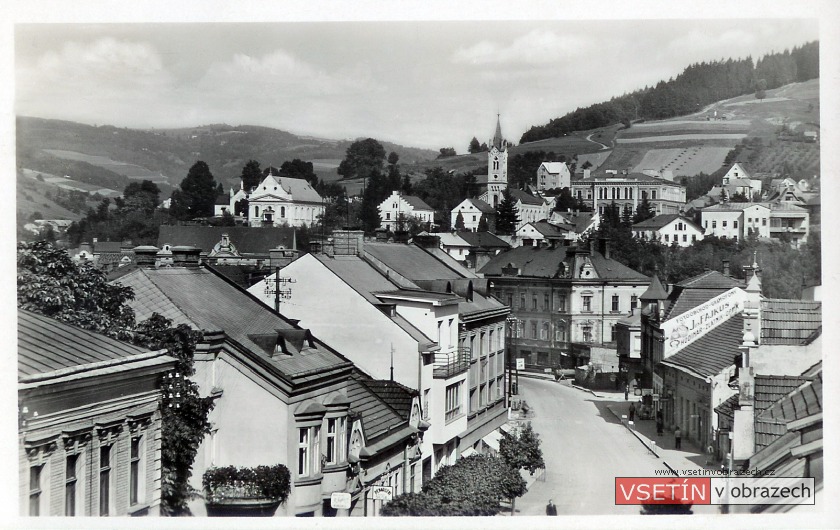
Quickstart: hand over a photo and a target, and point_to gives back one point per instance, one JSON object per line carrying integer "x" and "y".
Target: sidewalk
{"x": 689, "y": 457}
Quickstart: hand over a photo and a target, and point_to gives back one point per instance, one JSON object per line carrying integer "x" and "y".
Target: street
{"x": 585, "y": 447}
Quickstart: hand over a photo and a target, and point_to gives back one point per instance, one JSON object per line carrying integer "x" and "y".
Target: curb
{"x": 644, "y": 442}
{"x": 586, "y": 390}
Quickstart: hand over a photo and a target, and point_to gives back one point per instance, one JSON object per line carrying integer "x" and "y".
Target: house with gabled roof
{"x": 472, "y": 211}
{"x": 396, "y": 210}
{"x": 544, "y": 233}
{"x": 564, "y": 299}
{"x": 390, "y": 328}
{"x": 553, "y": 175}
{"x": 737, "y": 180}
{"x": 669, "y": 229}
{"x": 529, "y": 208}
{"x": 277, "y": 201}
{"x": 253, "y": 359}
{"x": 89, "y": 432}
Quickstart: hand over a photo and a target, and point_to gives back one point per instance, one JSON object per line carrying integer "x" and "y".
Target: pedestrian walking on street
{"x": 632, "y": 412}
{"x": 659, "y": 423}
{"x": 678, "y": 438}
{"x": 550, "y": 508}
{"x": 626, "y": 391}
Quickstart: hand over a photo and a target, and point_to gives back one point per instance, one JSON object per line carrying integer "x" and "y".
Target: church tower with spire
{"x": 497, "y": 160}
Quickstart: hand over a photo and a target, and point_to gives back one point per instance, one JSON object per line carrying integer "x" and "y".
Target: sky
{"x": 427, "y": 84}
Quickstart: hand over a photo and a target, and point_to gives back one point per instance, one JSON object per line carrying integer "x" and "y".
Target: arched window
{"x": 256, "y": 211}
{"x": 495, "y": 163}
{"x": 282, "y": 211}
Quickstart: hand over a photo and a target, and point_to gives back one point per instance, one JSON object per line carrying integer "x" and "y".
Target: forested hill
{"x": 697, "y": 86}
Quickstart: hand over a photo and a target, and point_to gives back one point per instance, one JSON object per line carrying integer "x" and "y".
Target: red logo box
{"x": 662, "y": 490}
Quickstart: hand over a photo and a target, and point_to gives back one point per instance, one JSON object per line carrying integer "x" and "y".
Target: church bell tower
{"x": 497, "y": 179}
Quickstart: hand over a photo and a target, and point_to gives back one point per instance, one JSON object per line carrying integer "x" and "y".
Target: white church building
{"x": 279, "y": 201}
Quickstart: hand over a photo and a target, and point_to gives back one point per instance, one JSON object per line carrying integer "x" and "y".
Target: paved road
{"x": 603, "y": 146}
{"x": 585, "y": 448}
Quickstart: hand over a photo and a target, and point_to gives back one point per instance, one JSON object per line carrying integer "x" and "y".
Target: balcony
{"x": 787, "y": 230}
{"x": 451, "y": 364}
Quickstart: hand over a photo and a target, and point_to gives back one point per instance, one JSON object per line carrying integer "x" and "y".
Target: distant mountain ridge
{"x": 166, "y": 155}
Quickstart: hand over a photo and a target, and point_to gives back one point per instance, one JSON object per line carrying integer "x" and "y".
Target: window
{"x": 612, "y": 332}
{"x": 35, "y": 489}
{"x": 473, "y": 218}
{"x": 764, "y": 222}
{"x": 473, "y": 399}
{"x": 510, "y": 300}
{"x": 282, "y": 211}
{"x": 545, "y": 302}
{"x": 316, "y": 449}
{"x": 492, "y": 344}
{"x": 666, "y": 237}
{"x": 634, "y": 302}
{"x": 521, "y": 300}
{"x": 413, "y": 476}
{"x": 533, "y": 330}
{"x": 544, "y": 331}
{"x": 714, "y": 224}
{"x": 453, "y": 401}
{"x": 685, "y": 238}
{"x": 303, "y": 452}
{"x": 105, "y": 480}
{"x": 706, "y": 224}
{"x": 723, "y": 224}
{"x": 426, "y": 404}
{"x": 561, "y": 303}
{"x": 693, "y": 238}
{"x": 134, "y": 471}
{"x": 387, "y": 216}
{"x": 70, "y": 482}
{"x": 615, "y": 303}
{"x": 587, "y": 303}
{"x": 332, "y": 441}
{"x": 534, "y": 302}
{"x": 560, "y": 332}
{"x": 653, "y": 195}
{"x": 587, "y": 333}
{"x": 735, "y": 224}
{"x": 482, "y": 395}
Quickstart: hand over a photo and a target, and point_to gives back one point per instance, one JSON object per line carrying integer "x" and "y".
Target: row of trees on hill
{"x": 698, "y": 85}
{"x": 784, "y": 269}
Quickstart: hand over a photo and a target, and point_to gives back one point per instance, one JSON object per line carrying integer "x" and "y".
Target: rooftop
{"x": 206, "y": 301}
{"x": 712, "y": 352}
{"x": 381, "y": 404}
{"x": 660, "y": 221}
{"x": 789, "y": 321}
{"x": 411, "y": 261}
{"x": 482, "y": 206}
{"x": 554, "y": 167}
{"x": 247, "y": 240}
{"x": 483, "y": 239}
{"x": 46, "y": 345}
{"x": 803, "y": 402}
{"x": 732, "y": 206}
{"x": 525, "y": 197}
{"x": 541, "y": 262}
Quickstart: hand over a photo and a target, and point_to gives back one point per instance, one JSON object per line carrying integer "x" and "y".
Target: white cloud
{"x": 534, "y": 48}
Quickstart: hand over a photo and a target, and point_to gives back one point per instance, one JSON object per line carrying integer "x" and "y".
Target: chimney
{"x": 605, "y": 246}
{"x": 280, "y": 256}
{"x": 186, "y": 256}
{"x": 726, "y": 267}
{"x": 145, "y": 256}
{"x": 348, "y": 242}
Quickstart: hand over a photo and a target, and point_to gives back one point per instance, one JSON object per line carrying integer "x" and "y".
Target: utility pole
{"x": 276, "y": 290}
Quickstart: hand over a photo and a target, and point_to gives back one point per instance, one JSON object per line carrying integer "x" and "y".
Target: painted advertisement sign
{"x": 684, "y": 329}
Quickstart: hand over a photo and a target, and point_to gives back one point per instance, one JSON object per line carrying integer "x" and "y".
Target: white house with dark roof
{"x": 278, "y": 201}
{"x": 472, "y": 210}
{"x": 669, "y": 229}
{"x": 735, "y": 220}
{"x": 737, "y": 180}
{"x": 553, "y": 175}
{"x": 529, "y": 208}
{"x": 399, "y": 208}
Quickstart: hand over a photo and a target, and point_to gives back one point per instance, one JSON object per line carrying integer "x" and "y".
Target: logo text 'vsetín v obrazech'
{"x": 714, "y": 490}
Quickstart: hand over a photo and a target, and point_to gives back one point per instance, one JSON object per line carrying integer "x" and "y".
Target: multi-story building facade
{"x": 90, "y": 422}
{"x": 472, "y": 211}
{"x": 553, "y": 175}
{"x": 736, "y": 220}
{"x": 276, "y": 201}
{"x": 563, "y": 296}
{"x": 598, "y": 192}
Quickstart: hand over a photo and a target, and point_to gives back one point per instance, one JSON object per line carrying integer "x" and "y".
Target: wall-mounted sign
{"x": 686, "y": 328}
{"x": 381, "y": 493}
{"x": 520, "y": 363}
{"x": 340, "y": 500}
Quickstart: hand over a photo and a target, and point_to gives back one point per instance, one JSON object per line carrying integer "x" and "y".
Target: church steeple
{"x": 497, "y": 138}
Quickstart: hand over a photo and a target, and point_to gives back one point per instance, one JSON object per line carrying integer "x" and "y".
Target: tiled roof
{"x": 535, "y": 262}
{"x": 46, "y": 345}
{"x": 727, "y": 408}
{"x": 397, "y": 396}
{"x": 101, "y": 247}
{"x": 712, "y": 352}
{"x": 655, "y": 223}
{"x": 410, "y": 261}
{"x": 732, "y": 206}
{"x": 655, "y": 291}
{"x": 689, "y": 299}
{"x": 483, "y": 239}
{"x": 789, "y": 321}
{"x": 299, "y": 189}
{"x": 459, "y": 270}
{"x": 710, "y": 280}
{"x": 610, "y": 269}
{"x": 548, "y": 230}
{"x": 482, "y": 206}
{"x": 206, "y": 301}
{"x": 416, "y": 202}
{"x": 803, "y": 402}
{"x": 377, "y": 417}
{"x": 554, "y": 167}
{"x": 524, "y": 196}
{"x": 247, "y": 240}
{"x": 771, "y": 388}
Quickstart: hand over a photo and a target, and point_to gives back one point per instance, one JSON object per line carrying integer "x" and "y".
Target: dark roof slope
{"x": 46, "y": 345}
{"x": 803, "y": 402}
{"x": 535, "y": 262}
{"x": 712, "y": 352}
{"x": 697, "y": 290}
{"x": 247, "y": 240}
{"x": 416, "y": 202}
{"x": 710, "y": 280}
{"x": 483, "y": 239}
{"x": 205, "y": 300}
{"x": 482, "y": 206}
{"x": 789, "y": 321}
{"x": 411, "y": 261}
{"x": 610, "y": 269}
{"x": 524, "y": 196}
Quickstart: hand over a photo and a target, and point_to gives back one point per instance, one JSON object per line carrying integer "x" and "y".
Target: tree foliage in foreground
{"x": 472, "y": 486}
{"x": 521, "y": 449}
{"x": 51, "y": 284}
